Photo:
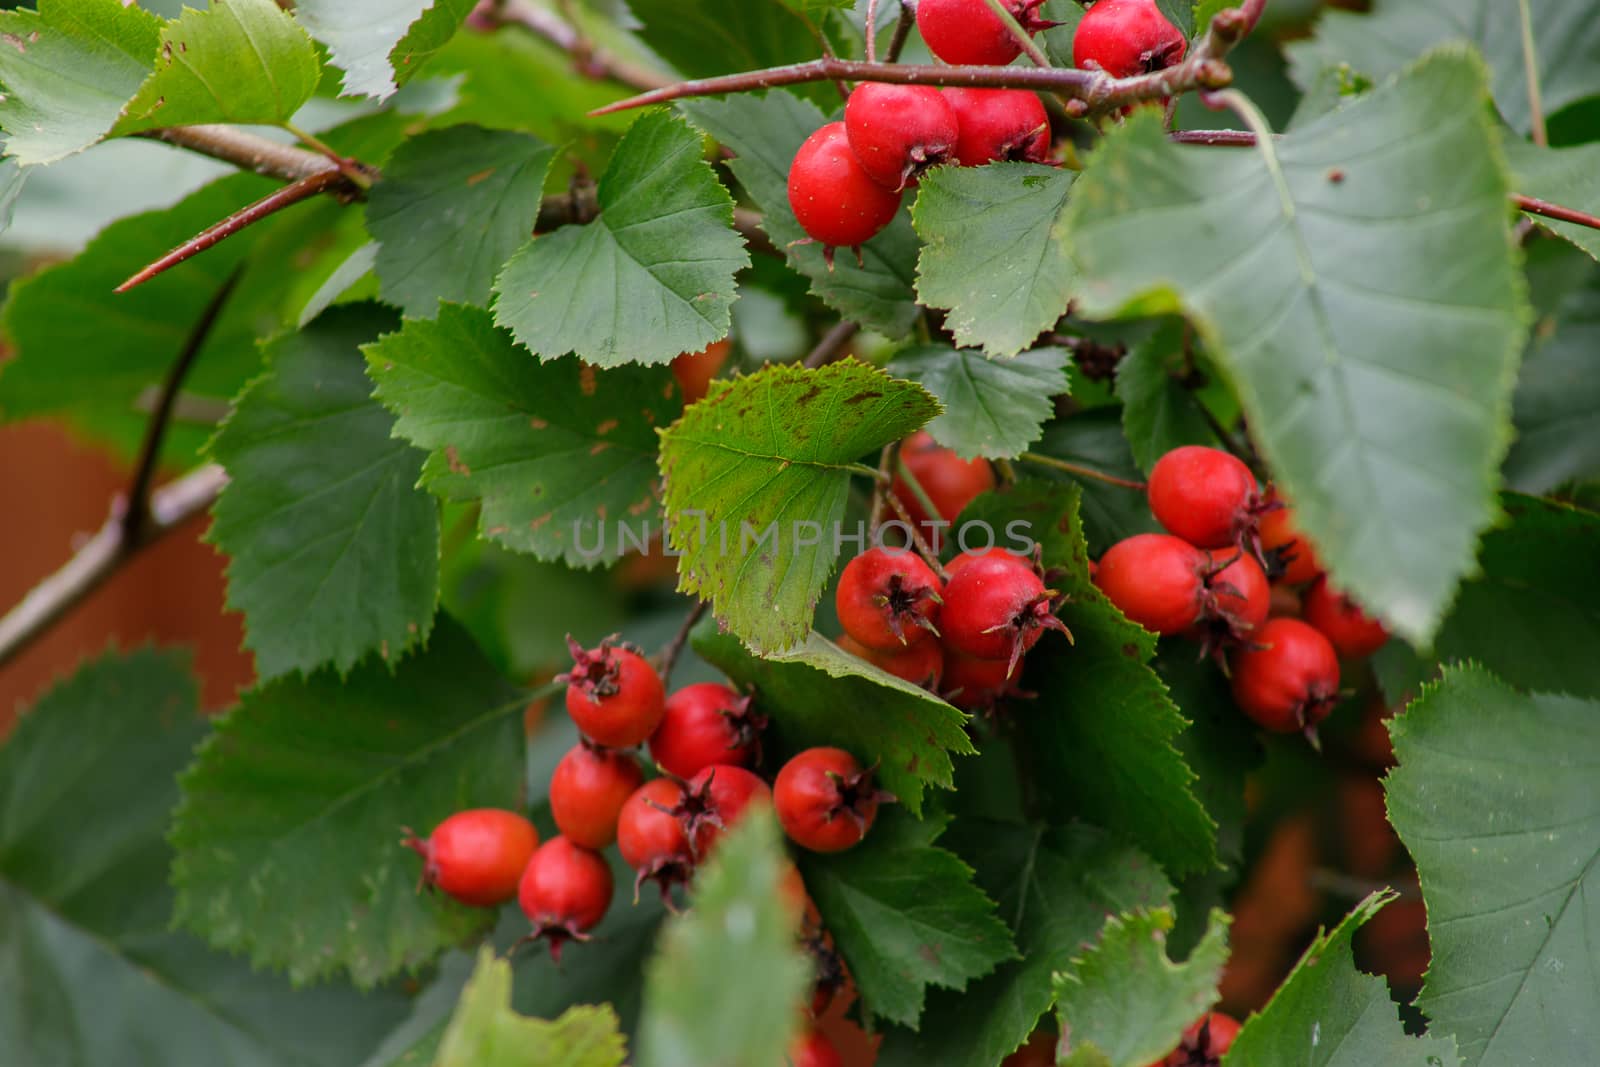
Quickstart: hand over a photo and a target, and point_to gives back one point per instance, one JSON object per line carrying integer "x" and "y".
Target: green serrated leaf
{"x": 1495, "y": 797}
{"x": 996, "y": 253}
{"x": 454, "y": 204}
{"x": 487, "y": 1032}
{"x": 905, "y": 915}
{"x": 651, "y": 278}
{"x": 814, "y": 695}
{"x": 1055, "y": 888}
{"x": 1123, "y": 1003}
{"x": 756, "y": 479}
{"x": 724, "y": 36}
{"x": 1557, "y": 405}
{"x": 1375, "y": 370}
{"x": 379, "y": 44}
{"x": 562, "y": 456}
{"x": 333, "y": 551}
{"x": 1100, "y": 737}
{"x": 434, "y": 29}
{"x": 86, "y": 790}
{"x": 1095, "y": 439}
{"x": 992, "y": 408}
{"x": 1158, "y": 412}
{"x": 764, "y": 133}
{"x": 1328, "y": 1014}
{"x": 242, "y": 61}
{"x": 1566, "y": 40}
{"x": 726, "y": 984}
{"x": 1566, "y": 176}
{"x": 288, "y": 834}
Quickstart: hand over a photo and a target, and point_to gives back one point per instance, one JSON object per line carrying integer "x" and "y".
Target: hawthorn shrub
{"x": 728, "y": 572}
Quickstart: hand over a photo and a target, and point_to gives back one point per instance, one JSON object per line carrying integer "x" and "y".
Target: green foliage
{"x": 288, "y": 833}
{"x": 905, "y": 915}
{"x": 540, "y": 444}
{"x": 86, "y": 788}
{"x": 1314, "y": 311}
{"x": 1095, "y": 439}
{"x": 992, "y": 408}
{"x": 996, "y": 254}
{"x": 725, "y": 985}
{"x": 1494, "y": 798}
{"x": 333, "y": 551}
{"x": 1158, "y": 412}
{"x": 1567, "y": 176}
{"x": 1557, "y": 405}
{"x": 380, "y": 44}
{"x": 650, "y": 278}
{"x": 454, "y": 204}
{"x": 720, "y": 36}
{"x": 487, "y": 1032}
{"x": 756, "y": 479}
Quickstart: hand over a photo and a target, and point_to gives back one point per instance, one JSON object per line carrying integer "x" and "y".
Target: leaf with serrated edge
{"x": 651, "y": 277}
{"x": 244, "y": 61}
{"x": 454, "y": 204}
{"x": 562, "y": 456}
{"x": 992, "y": 407}
{"x": 1328, "y": 1014}
{"x": 288, "y": 833}
{"x": 363, "y": 35}
{"x": 87, "y": 786}
{"x": 1495, "y": 798}
{"x": 487, "y": 1032}
{"x": 996, "y": 252}
{"x": 1364, "y": 301}
{"x": 756, "y": 479}
{"x": 814, "y": 695}
{"x": 725, "y": 983}
{"x": 334, "y": 552}
{"x": 1566, "y": 176}
{"x": 1557, "y": 405}
{"x": 905, "y": 915}
{"x": 1123, "y": 1003}
{"x": 1158, "y": 412}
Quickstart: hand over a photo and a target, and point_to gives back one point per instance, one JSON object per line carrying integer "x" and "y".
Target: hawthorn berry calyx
{"x": 613, "y": 693}
{"x": 825, "y": 800}
{"x": 565, "y": 891}
{"x": 997, "y": 607}
{"x": 889, "y": 599}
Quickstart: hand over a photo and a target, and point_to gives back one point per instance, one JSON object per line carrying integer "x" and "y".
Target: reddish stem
{"x": 1535, "y": 206}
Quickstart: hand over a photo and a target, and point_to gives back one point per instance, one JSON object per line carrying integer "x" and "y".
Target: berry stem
{"x": 1530, "y": 60}
{"x": 902, "y": 32}
{"x": 871, "y": 29}
{"x": 591, "y": 61}
{"x": 929, "y": 556}
{"x": 352, "y": 170}
{"x": 832, "y": 345}
{"x": 1030, "y": 48}
{"x": 1080, "y": 471}
{"x": 667, "y": 658}
{"x": 929, "y": 508}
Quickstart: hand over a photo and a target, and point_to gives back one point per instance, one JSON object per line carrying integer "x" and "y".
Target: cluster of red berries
{"x": 1211, "y": 577}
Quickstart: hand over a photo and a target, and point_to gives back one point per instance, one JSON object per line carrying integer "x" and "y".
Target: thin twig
{"x": 881, "y": 482}
{"x": 592, "y": 62}
{"x": 872, "y": 31}
{"x": 832, "y": 345}
{"x": 667, "y": 658}
{"x": 186, "y": 407}
{"x": 902, "y": 32}
{"x": 350, "y": 168}
{"x": 245, "y": 150}
{"x": 929, "y": 556}
{"x": 1080, "y": 471}
{"x": 1024, "y": 40}
{"x": 1535, "y": 206}
{"x": 1214, "y": 138}
{"x": 103, "y": 555}
{"x": 1530, "y": 62}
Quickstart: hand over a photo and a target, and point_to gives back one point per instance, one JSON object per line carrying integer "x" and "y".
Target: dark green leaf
{"x": 431, "y": 32}
{"x": 454, "y": 204}
{"x": 1158, "y": 412}
{"x": 1375, "y": 369}
{"x": 722, "y": 36}
{"x": 651, "y": 277}
{"x": 288, "y": 834}
{"x": 379, "y": 44}
{"x": 993, "y": 408}
{"x": 1569, "y": 177}
{"x": 1095, "y": 439}
{"x": 487, "y": 1032}
{"x": 1557, "y": 407}
{"x": 334, "y": 552}
{"x": 1495, "y": 797}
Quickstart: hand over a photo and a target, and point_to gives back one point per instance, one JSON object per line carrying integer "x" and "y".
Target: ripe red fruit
{"x": 652, "y": 839}
{"x": 587, "y": 792}
{"x": 1205, "y": 496}
{"x": 966, "y": 32}
{"x": 1040, "y": 1051}
{"x": 888, "y": 599}
{"x": 899, "y": 131}
{"x": 715, "y": 800}
{"x": 1204, "y": 1042}
{"x": 971, "y": 683}
{"x": 1155, "y": 580}
{"x": 706, "y": 723}
{"x": 694, "y": 370}
{"x": 1288, "y": 679}
{"x": 1126, "y": 37}
{"x": 920, "y": 664}
{"x": 811, "y": 1049}
{"x": 825, "y": 801}
{"x": 996, "y": 607}
{"x": 1351, "y": 631}
{"x": 613, "y": 694}
{"x": 999, "y": 124}
{"x": 476, "y": 856}
{"x": 834, "y": 199}
{"x": 949, "y": 481}
{"x": 564, "y": 892}
{"x": 1239, "y": 595}
{"x": 1290, "y": 557}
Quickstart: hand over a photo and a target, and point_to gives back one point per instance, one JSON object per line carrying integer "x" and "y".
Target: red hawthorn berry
{"x": 651, "y": 838}
{"x": 705, "y": 724}
{"x": 971, "y": 683}
{"x": 1205, "y": 496}
{"x": 1237, "y": 598}
{"x": 1155, "y": 580}
{"x": 961, "y": 559}
{"x": 812, "y": 1049}
{"x": 1352, "y": 632}
{"x": 1040, "y": 1051}
{"x": 920, "y": 664}
{"x": 834, "y": 199}
{"x": 950, "y": 482}
{"x": 966, "y": 32}
{"x": 694, "y": 370}
{"x": 587, "y": 792}
{"x": 899, "y": 131}
{"x": 1288, "y": 678}
{"x": 1204, "y": 1042}
{"x": 564, "y": 892}
{"x": 829, "y": 973}
{"x": 825, "y": 800}
{"x": 1125, "y": 38}
{"x": 713, "y": 802}
{"x": 888, "y": 599}
{"x": 999, "y": 124}
{"x": 996, "y": 607}
{"x": 1291, "y": 559}
{"x": 613, "y": 694}
{"x": 476, "y": 856}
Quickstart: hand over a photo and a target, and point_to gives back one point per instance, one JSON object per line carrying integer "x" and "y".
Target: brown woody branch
{"x": 592, "y": 62}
